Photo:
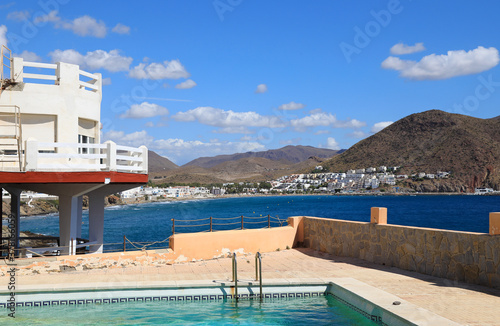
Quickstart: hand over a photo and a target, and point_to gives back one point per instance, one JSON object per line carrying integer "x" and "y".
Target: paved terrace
{"x": 463, "y": 303}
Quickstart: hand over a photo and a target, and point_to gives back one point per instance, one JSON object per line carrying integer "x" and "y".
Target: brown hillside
{"x": 253, "y": 169}
{"x": 157, "y": 163}
{"x": 431, "y": 141}
{"x": 288, "y": 154}
{"x": 188, "y": 174}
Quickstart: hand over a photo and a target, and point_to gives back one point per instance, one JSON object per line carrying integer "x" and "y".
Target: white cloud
{"x": 82, "y": 26}
{"x": 144, "y": 110}
{"x": 19, "y": 15}
{"x": 111, "y": 61}
{"x": 86, "y": 26}
{"x": 68, "y": 56}
{"x": 322, "y": 132}
{"x": 261, "y": 88}
{"x": 166, "y": 70}
{"x": 181, "y": 151}
{"x": 106, "y": 81}
{"x": 186, "y": 84}
{"x": 331, "y": 143}
{"x": 358, "y": 134}
{"x": 444, "y": 66}
{"x": 401, "y": 48}
{"x": 380, "y": 125}
{"x": 230, "y": 120}
{"x": 3, "y": 37}
{"x": 323, "y": 119}
{"x": 291, "y": 106}
{"x": 247, "y": 138}
{"x": 134, "y": 139}
{"x": 149, "y": 124}
{"x": 51, "y": 17}
{"x": 121, "y": 29}
{"x": 29, "y": 56}
{"x": 98, "y": 59}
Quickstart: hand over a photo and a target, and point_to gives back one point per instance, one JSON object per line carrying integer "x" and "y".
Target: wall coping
{"x": 397, "y": 226}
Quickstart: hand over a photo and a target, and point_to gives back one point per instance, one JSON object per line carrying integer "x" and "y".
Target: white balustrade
{"x": 86, "y": 80}
{"x": 43, "y": 156}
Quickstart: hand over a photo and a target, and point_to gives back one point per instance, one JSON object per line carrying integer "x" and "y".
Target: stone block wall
{"x": 462, "y": 256}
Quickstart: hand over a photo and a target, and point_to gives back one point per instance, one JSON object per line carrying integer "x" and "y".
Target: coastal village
{"x": 361, "y": 181}
{"x": 165, "y": 257}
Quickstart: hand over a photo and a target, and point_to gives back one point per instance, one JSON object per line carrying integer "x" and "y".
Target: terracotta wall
{"x": 462, "y": 256}
{"x": 209, "y": 245}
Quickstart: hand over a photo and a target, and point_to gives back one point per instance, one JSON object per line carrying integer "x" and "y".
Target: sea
{"x": 149, "y": 222}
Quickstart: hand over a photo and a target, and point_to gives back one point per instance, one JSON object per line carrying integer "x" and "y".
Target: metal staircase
{"x": 10, "y": 119}
{"x": 11, "y": 148}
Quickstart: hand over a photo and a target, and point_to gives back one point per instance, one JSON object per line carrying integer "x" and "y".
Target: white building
{"x": 50, "y": 122}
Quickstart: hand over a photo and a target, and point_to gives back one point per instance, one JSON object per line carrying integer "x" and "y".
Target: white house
{"x": 50, "y": 125}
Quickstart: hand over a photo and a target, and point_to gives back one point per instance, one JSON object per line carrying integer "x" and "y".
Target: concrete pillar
{"x": 17, "y": 69}
{"x": 378, "y": 215}
{"x": 68, "y": 219}
{"x": 79, "y": 212}
{"x": 495, "y": 223}
{"x": 96, "y": 222}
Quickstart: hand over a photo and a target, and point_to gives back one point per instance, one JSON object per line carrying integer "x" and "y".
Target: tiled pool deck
{"x": 463, "y": 303}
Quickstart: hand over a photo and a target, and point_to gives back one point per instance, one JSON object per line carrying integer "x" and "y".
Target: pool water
{"x": 323, "y": 310}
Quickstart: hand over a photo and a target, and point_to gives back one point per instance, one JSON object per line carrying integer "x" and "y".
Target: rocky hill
{"x": 254, "y": 169}
{"x": 157, "y": 163}
{"x": 251, "y": 166}
{"x": 287, "y": 155}
{"x": 433, "y": 141}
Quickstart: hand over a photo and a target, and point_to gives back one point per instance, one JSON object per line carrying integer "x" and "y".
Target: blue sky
{"x": 202, "y": 78}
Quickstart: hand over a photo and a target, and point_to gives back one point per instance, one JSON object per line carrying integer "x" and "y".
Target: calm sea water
{"x": 307, "y": 311}
{"x": 152, "y": 221}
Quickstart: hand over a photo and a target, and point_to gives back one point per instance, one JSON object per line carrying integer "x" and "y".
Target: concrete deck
{"x": 463, "y": 303}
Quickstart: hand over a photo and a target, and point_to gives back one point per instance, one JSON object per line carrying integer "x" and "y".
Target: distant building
{"x": 482, "y": 191}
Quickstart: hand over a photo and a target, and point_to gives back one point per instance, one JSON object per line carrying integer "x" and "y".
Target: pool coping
{"x": 375, "y": 304}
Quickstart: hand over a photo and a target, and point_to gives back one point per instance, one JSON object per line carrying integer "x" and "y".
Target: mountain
{"x": 286, "y": 155}
{"x": 433, "y": 141}
{"x": 251, "y": 169}
{"x": 157, "y": 163}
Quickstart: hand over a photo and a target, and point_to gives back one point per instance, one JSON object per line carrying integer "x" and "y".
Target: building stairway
{"x": 11, "y": 148}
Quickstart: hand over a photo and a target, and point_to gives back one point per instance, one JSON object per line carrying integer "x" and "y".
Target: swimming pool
{"x": 295, "y": 301}
{"x": 314, "y": 310}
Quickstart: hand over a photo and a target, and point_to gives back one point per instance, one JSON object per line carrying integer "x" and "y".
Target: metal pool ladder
{"x": 258, "y": 273}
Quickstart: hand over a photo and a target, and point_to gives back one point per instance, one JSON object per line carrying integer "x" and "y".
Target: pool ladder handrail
{"x": 235, "y": 276}
{"x": 258, "y": 271}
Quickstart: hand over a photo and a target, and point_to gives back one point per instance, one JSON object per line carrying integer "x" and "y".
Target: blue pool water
{"x": 325, "y": 310}
{"x": 152, "y": 221}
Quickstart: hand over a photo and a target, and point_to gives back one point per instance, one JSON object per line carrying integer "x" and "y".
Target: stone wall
{"x": 461, "y": 256}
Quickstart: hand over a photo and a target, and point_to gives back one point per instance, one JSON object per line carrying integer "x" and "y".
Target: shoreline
{"x": 193, "y": 198}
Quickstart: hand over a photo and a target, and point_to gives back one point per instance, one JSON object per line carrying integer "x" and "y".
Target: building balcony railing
{"x": 59, "y": 73}
{"x": 73, "y": 157}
